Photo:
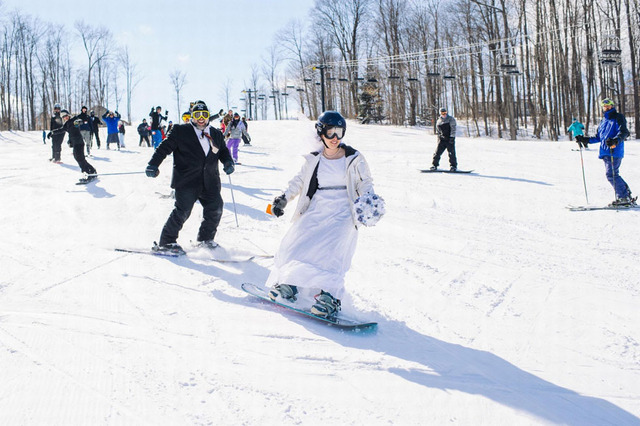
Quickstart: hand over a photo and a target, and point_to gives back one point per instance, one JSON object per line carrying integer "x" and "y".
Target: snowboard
{"x": 339, "y": 322}
{"x": 590, "y": 208}
{"x": 84, "y": 181}
{"x": 445, "y": 171}
{"x": 239, "y": 259}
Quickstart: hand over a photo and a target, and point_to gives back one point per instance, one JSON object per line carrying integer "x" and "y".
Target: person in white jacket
{"x": 316, "y": 251}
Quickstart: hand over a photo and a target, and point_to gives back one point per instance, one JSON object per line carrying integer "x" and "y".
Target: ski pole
{"x": 114, "y": 174}
{"x": 234, "y": 201}
{"x": 584, "y": 180}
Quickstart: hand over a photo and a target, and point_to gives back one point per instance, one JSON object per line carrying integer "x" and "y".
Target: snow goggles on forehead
{"x": 200, "y": 114}
{"x": 334, "y": 132}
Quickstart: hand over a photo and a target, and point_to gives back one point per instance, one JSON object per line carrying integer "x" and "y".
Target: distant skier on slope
{"x": 316, "y": 252}
{"x": 446, "y": 128}
{"x": 56, "y": 136}
{"x": 72, "y": 127}
{"x": 235, "y": 131}
{"x": 577, "y": 129}
{"x": 611, "y": 135}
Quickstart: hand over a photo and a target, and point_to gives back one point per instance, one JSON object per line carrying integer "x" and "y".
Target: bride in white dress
{"x": 316, "y": 251}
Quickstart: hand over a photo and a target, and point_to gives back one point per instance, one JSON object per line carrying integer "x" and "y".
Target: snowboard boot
{"x": 285, "y": 291}
{"x": 326, "y": 305}
{"x": 210, "y": 244}
{"x": 453, "y": 169}
{"x": 433, "y": 168}
{"x": 173, "y": 248}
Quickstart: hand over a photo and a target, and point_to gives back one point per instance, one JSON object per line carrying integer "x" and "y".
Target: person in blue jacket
{"x": 577, "y": 129}
{"x": 111, "y": 119}
{"x": 611, "y": 134}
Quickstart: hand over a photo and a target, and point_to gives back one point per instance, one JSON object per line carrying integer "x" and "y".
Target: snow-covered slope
{"x": 496, "y": 305}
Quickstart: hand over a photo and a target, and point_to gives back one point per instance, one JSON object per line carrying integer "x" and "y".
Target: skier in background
{"x": 143, "y": 131}
{"x": 85, "y": 128}
{"x": 234, "y": 132}
{"x": 611, "y": 134}
{"x": 316, "y": 252}
{"x": 111, "y": 119}
{"x": 57, "y": 137}
{"x": 76, "y": 141}
{"x": 95, "y": 127}
{"x": 156, "y": 119}
{"x": 577, "y": 129}
{"x": 446, "y": 128}
{"x": 121, "y": 131}
{"x": 246, "y": 139}
{"x": 197, "y": 148}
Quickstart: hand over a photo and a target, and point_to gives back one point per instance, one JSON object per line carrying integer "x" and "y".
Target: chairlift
{"x": 610, "y": 62}
{"x": 372, "y": 80}
{"x": 394, "y": 77}
{"x": 318, "y": 83}
{"x": 508, "y": 66}
{"x": 359, "y": 78}
{"x": 291, "y": 87}
{"x": 449, "y": 77}
{"x": 433, "y": 74}
{"x": 300, "y": 90}
{"x": 616, "y": 52}
{"x": 343, "y": 79}
{"x": 307, "y": 79}
{"x": 412, "y": 79}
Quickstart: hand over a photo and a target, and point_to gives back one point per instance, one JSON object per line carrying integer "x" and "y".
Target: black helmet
{"x": 330, "y": 119}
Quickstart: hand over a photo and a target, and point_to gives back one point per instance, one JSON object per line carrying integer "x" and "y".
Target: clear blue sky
{"x": 211, "y": 41}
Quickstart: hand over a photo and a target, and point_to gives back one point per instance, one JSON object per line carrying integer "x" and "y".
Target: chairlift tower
{"x": 611, "y": 60}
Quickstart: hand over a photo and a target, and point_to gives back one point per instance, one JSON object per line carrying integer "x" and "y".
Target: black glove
{"x": 228, "y": 167}
{"x": 611, "y": 142}
{"x": 49, "y": 135}
{"x": 279, "y": 203}
{"x": 116, "y": 112}
{"x": 152, "y": 171}
{"x": 166, "y": 112}
{"x": 582, "y": 141}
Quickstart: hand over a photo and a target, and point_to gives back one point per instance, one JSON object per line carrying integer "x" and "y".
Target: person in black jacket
{"x": 197, "y": 148}
{"x": 85, "y": 128}
{"x": 143, "y": 131}
{"x": 56, "y": 137}
{"x": 156, "y": 119}
{"x": 72, "y": 127}
{"x": 95, "y": 127}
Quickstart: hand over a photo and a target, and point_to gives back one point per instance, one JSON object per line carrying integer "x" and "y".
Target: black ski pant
{"x": 97, "y": 135}
{"x": 450, "y": 146}
{"x": 145, "y": 138}
{"x": 56, "y": 146}
{"x": 212, "y": 206}
{"x": 78, "y": 154}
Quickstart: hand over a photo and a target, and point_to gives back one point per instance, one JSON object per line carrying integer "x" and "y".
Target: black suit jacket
{"x": 191, "y": 168}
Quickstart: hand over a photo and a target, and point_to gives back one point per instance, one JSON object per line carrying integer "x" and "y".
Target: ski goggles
{"x": 197, "y": 115}
{"x": 334, "y": 132}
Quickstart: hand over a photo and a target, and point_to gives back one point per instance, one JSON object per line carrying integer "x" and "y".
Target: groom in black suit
{"x": 197, "y": 147}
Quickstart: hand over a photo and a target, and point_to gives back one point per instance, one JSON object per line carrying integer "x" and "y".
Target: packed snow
{"x": 495, "y": 304}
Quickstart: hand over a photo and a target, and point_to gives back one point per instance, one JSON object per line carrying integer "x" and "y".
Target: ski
{"x": 445, "y": 171}
{"x": 590, "y": 208}
{"x": 339, "y": 322}
{"x": 239, "y": 259}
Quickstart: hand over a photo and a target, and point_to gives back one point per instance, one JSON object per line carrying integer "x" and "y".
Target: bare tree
{"x": 178, "y": 80}
{"x": 225, "y": 91}
{"x": 131, "y": 77}
{"x": 96, "y": 45}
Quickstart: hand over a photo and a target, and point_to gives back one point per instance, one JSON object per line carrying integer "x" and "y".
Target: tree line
{"x": 37, "y": 71}
{"x": 505, "y": 67}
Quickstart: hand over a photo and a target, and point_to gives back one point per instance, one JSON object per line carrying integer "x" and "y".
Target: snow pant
{"x": 212, "y": 206}
{"x": 146, "y": 139}
{"x": 614, "y": 178}
{"x": 232, "y": 145}
{"x": 450, "y": 146}
{"x": 56, "y": 146}
{"x": 78, "y": 154}
{"x": 86, "y": 137}
{"x": 97, "y": 135}
{"x": 156, "y": 137}
{"x": 113, "y": 138}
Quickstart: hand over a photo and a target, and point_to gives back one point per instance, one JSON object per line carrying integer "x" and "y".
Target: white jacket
{"x": 359, "y": 180}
